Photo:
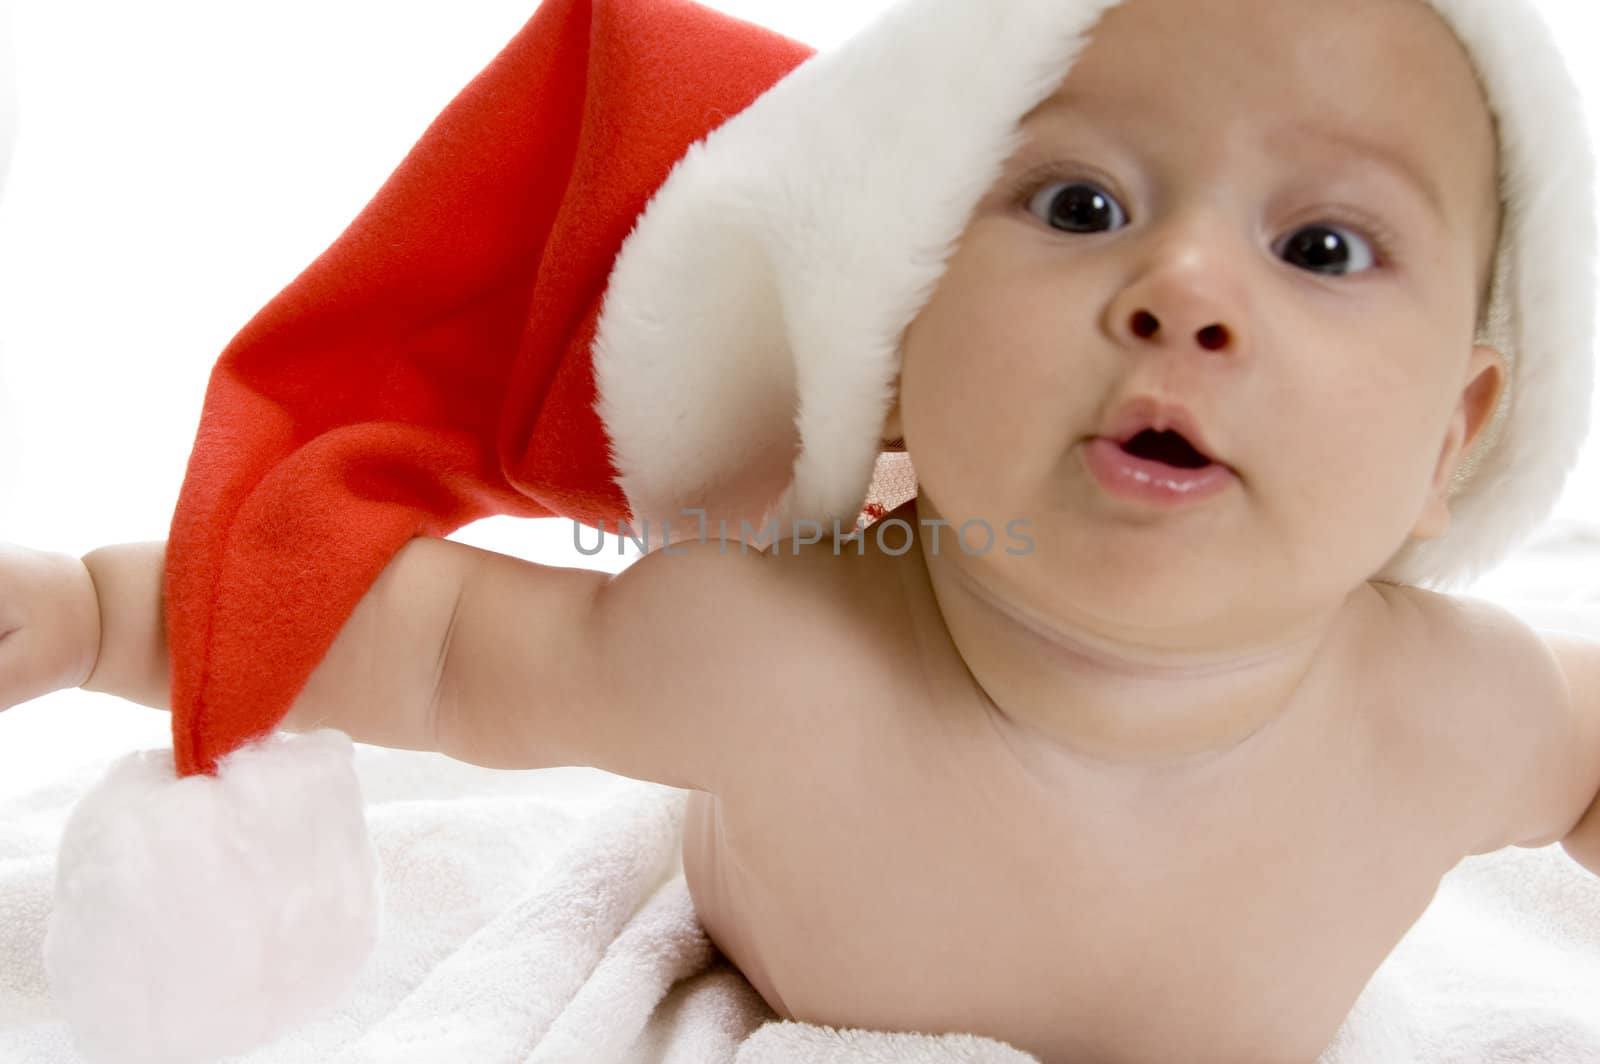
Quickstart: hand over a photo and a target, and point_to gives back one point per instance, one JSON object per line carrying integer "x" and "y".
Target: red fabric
{"x": 432, "y": 367}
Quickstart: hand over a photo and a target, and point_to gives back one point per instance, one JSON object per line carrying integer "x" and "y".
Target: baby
{"x": 1165, "y": 767}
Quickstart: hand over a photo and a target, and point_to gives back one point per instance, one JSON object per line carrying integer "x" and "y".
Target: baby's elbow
{"x": 1583, "y": 842}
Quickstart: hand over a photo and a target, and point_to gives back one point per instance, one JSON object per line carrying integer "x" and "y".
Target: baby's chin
{"x": 1176, "y": 576}
{"x": 1175, "y": 601}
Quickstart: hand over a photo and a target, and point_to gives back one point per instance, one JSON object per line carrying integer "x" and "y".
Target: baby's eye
{"x": 1077, "y": 207}
{"x": 1084, "y": 207}
{"x": 1327, "y": 249}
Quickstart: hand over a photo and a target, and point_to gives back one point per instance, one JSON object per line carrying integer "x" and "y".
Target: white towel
{"x": 542, "y": 918}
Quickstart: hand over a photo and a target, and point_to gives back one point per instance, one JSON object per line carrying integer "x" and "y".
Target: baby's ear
{"x": 1486, "y": 376}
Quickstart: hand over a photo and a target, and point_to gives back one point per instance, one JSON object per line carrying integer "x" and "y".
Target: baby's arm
{"x": 49, "y": 623}
{"x": 673, "y": 670}
{"x": 98, "y": 623}
{"x": 684, "y": 669}
{"x": 1580, "y": 664}
{"x": 688, "y": 668}
{"x": 1504, "y": 718}
{"x": 129, "y": 649}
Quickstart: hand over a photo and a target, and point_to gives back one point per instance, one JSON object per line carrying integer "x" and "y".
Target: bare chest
{"x": 900, "y": 877}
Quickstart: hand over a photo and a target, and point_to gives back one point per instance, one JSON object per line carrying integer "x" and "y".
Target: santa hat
{"x": 640, "y": 265}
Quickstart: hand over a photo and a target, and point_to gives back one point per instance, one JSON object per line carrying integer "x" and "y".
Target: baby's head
{"x": 1281, "y": 217}
{"x": 1355, "y": 242}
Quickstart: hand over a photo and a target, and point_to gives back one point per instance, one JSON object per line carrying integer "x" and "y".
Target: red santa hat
{"x": 641, "y": 264}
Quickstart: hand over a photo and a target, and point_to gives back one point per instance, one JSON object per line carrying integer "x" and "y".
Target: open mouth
{"x": 1168, "y": 448}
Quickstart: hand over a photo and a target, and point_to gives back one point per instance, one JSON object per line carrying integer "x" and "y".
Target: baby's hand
{"x": 49, "y": 623}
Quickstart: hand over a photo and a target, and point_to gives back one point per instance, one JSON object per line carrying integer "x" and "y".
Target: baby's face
{"x": 1275, "y": 213}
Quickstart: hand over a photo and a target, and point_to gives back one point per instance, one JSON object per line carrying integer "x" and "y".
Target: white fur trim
{"x": 1545, "y": 303}
{"x": 197, "y": 918}
{"x": 750, "y": 335}
{"x": 752, "y": 325}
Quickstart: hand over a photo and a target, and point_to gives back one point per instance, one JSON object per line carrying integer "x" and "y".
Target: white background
{"x": 176, "y": 164}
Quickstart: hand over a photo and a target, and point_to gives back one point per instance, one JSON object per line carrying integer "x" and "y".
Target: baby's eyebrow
{"x": 1399, "y": 164}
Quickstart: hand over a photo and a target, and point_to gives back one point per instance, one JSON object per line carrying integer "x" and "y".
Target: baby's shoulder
{"x": 1474, "y": 703}
{"x": 1458, "y": 635}
{"x": 779, "y": 648}
{"x": 782, "y": 604}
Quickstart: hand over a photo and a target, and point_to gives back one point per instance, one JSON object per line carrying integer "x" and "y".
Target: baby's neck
{"x": 1092, "y": 700}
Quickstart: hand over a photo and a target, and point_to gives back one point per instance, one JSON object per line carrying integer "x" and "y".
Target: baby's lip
{"x": 1149, "y": 413}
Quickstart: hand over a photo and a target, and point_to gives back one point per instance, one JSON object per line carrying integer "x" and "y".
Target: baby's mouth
{"x": 1160, "y": 469}
{"x": 1168, "y": 447}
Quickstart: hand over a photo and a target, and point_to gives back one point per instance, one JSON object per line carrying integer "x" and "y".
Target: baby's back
{"x": 894, "y": 864}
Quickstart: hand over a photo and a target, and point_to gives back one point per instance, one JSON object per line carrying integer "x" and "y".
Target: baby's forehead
{"x": 1384, "y": 64}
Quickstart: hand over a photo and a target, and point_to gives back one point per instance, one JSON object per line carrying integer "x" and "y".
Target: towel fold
{"x": 543, "y": 918}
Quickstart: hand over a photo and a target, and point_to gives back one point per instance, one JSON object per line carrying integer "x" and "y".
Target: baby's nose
{"x": 1213, "y": 337}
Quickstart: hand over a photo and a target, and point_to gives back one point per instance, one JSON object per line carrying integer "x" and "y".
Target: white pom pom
{"x": 202, "y": 917}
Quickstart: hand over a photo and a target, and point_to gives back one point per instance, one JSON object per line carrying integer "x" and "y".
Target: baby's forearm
{"x": 377, "y": 682}
{"x": 132, "y": 662}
